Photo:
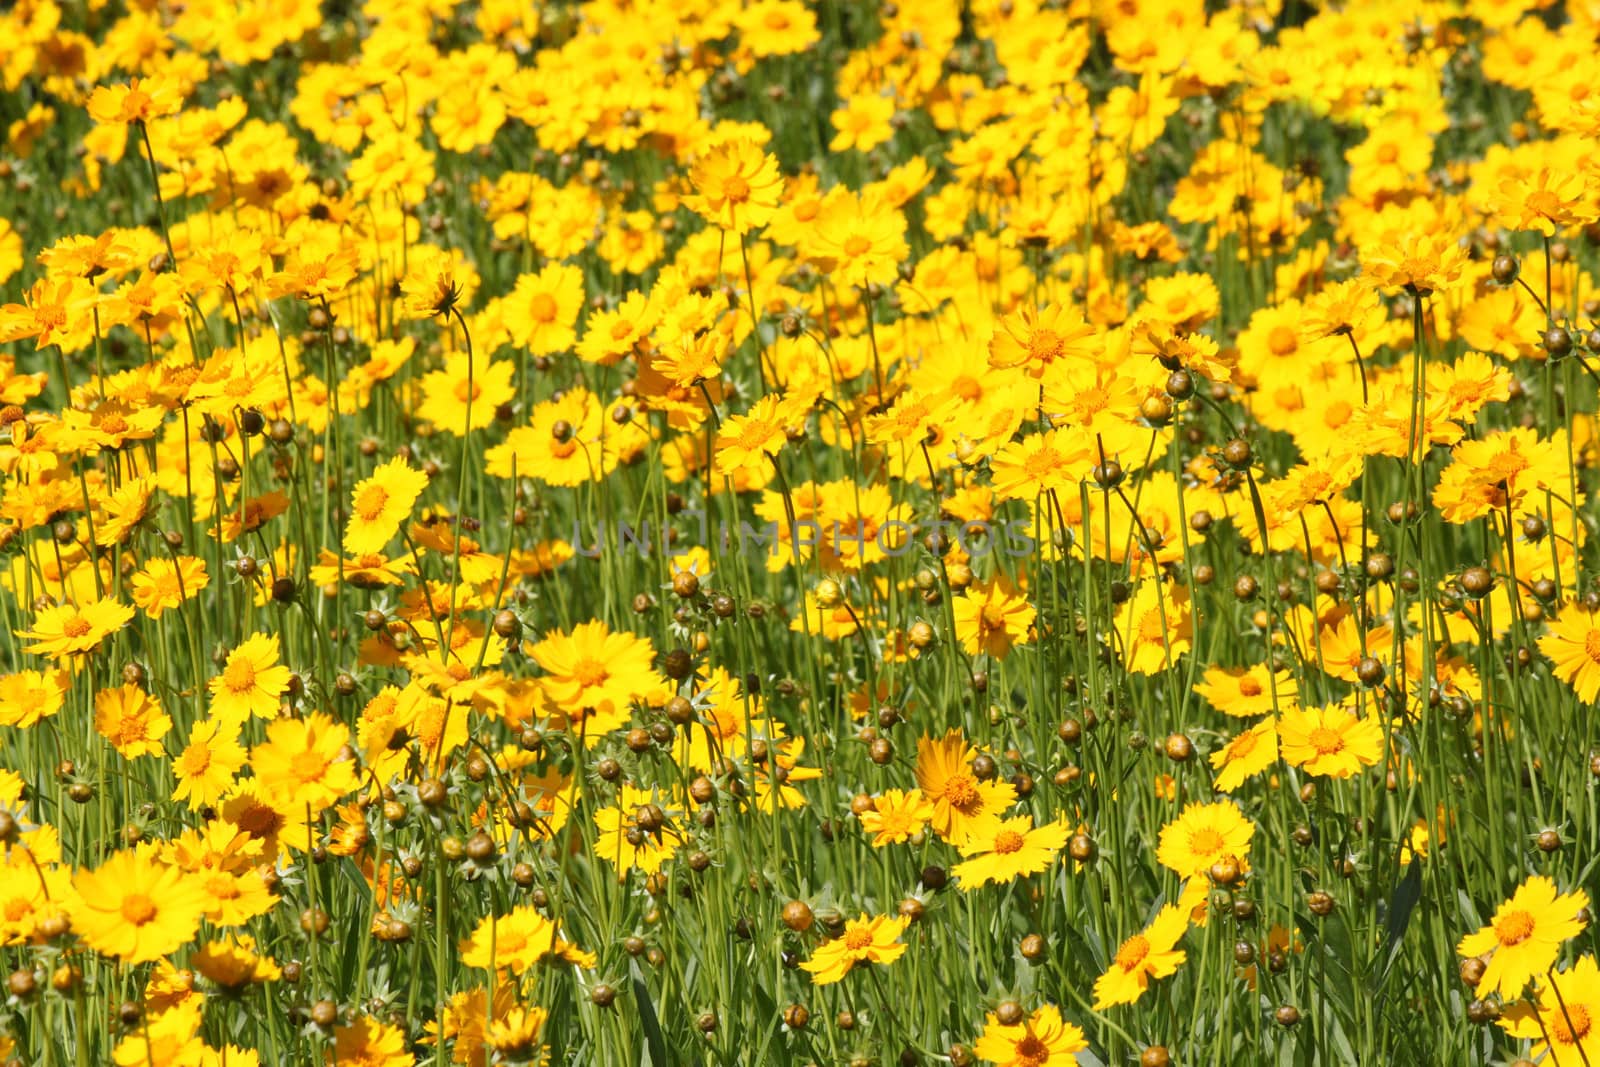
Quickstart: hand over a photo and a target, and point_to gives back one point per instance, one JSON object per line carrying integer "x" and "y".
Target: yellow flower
{"x": 1249, "y": 753}
{"x": 863, "y": 123}
{"x": 1247, "y": 691}
{"x": 517, "y": 941}
{"x": 869, "y": 939}
{"x": 737, "y": 186}
{"x": 1043, "y": 1039}
{"x": 1329, "y": 741}
{"x": 896, "y": 815}
{"x": 1573, "y": 646}
{"x": 1522, "y": 940}
{"x": 301, "y": 764}
{"x": 991, "y": 617}
{"x": 132, "y": 720}
{"x": 65, "y": 630}
{"x": 1561, "y": 1019}
{"x": 1035, "y": 340}
{"x": 961, "y": 803}
{"x": 206, "y": 768}
{"x": 251, "y": 681}
{"x": 29, "y": 696}
{"x": 379, "y": 504}
{"x": 1201, "y": 835}
{"x": 592, "y": 676}
{"x": 1006, "y": 849}
{"x": 365, "y": 1042}
{"x": 164, "y": 584}
{"x": 141, "y": 100}
{"x": 135, "y": 909}
{"x": 1149, "y": 954}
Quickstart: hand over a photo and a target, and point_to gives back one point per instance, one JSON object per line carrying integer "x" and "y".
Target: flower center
{"x": 1515, "y": 928}
{"x": 1325, "y": 741}
{"x": 1568, "y": 1033}
{"x": 856, "y": 245}
{"x": 1591, "y": 645}
{"x": 1205, "y": 842}
{"x": 195, "y": 761}
{"x": 753, "y": 438}
{"x": 961, "y": 791}
{"x": 1242, "y": 745}
{"x": 857, "y": 939}
{"x": 1133, "y": 952}
{"x": 1031, "y": 1052}
{"x": 370, "y": 503}
{"x": 240, "y": 676}
{"x": 1042, "y": 462}
{"x": 1008, "y": 841}
{"x": 1282, "y": 341}
{"x": 736, "y": 189}
{"x": 542, "y": 308}
{"x": 309, "y": 766}
{"x": 589, "y": 672}
{"x": 138, "y": 909}
{"x": 1249, "y": 687}
{"x": 77, "y": 626}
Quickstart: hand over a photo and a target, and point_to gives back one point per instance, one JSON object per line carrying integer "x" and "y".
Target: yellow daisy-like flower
{"x": 29, "y": 696}
{"x": 1573, "y": 646}
{"x": 132, "y": 720}
{"x": 1201, "y": 835}
{"x": 251, "y": 681}
{"x": 1248, "y": 754}
{"x": 961, "y": 803}
{"x": 379, "y": 504}
{"x": 66, "y": 630}
{"x": 896, "y": 816}
{"x": 206, "y": 768}
{"x": 1329, "y": 741}
{"x": 1043, "y": 1039}
{"x": 869, "y": 939}
{"x": 1151, "y": 953}
{"x": 737, "y": 186}
{"x": 135, "y": 909}
{"x": 1006, "y": 849}
{"x": 1522, "y": 940}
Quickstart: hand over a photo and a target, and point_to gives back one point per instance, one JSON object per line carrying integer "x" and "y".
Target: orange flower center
{"x": 114, "y": 424}
{"x": 1282, "y": 341}
{"x": 1008, "y": 841}
{"x": 138, "y": 909}
{"x": 1569, "y": 1033}
{"x": 857, "y": 939}
{"x": 589, "y": 672}
{"x": 240, "y": 676}
{"x": 309, "y": 766}
{"x": 961, "y": 791}
{"x": 77, "y": 626}
{"x": 1325, "y": 741}
{"x": 856, "y": 245}
{"x": 1042, "y": 463}
{"x": 1249, "y": 687}
{"x": 1205, "y": 842}
{"x": 753, "y": 438}
{"x": 1031, "y": 1052}
{"x": 196, "y": 759}
{"x": 1242, "y": 745}
{"x": 736, "y": 189}
{"x": 1514, "y": 928}
{"x": 1591, "y": 645}
{"x": 1133, "y": 952}
{"x": 542, "y": 308}
{"x": 370, "y": 503}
